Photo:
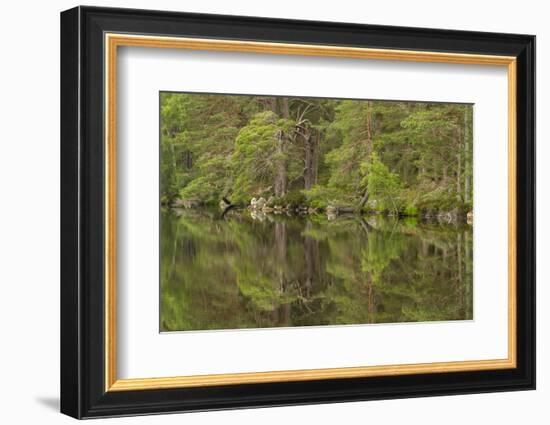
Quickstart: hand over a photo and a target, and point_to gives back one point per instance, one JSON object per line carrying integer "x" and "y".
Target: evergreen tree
{"x": 394, "y": 157}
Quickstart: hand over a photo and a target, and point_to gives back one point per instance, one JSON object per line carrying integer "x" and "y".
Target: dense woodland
{"x": 399, "y": 158}
{"x": 319, "y": 158}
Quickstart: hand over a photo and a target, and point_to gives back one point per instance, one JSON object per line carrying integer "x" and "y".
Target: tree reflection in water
{"x": 275, "y": 271}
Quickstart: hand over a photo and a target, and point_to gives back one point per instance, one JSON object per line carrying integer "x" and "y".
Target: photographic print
{"x": 291, "y": 211}
{"x": 315, "y": 212}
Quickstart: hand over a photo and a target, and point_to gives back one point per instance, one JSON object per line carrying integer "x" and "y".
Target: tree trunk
{"x": 369, "y": 127}
{"x": 282, "y": 109}
{"x": 467, "y": 154}
{"x": 365, "y": 226}
{"x": 311, "y": 254}
{"x": 459, "y": 167}
{"x": 344, "y": 210}
{"x": 315, "y": 159}
{"x": 371, "y": 309}
{"x": 280, "y": 241}
{"x": 280, "y": 173}
{"x": 371, "y": 305}
{"x": 171, "y": 135}
{"x": 459, "y": 261}
{"x": 363, "y": 200}
{"x": 468, "y": 268}
{"x": 368, "y": 146}
{"x": 309, "y": 172}
{"x": 188, "y": 159}
{"x": 271, "y": 104}
{"x": 280, "y": 245}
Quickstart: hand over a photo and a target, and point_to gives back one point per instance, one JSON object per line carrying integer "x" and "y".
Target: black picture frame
{"x": 83, "y": 392}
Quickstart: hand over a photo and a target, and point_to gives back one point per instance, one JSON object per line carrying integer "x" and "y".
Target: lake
{"x": 251, "y": 270}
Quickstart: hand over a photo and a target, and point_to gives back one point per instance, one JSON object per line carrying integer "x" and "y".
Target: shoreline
{"x": 302, "y": 211}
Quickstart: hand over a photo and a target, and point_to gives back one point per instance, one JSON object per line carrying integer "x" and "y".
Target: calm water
{"x": 267, "y": 271}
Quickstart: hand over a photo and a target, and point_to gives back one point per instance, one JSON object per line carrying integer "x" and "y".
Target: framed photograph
{"x": 261, "y": 212}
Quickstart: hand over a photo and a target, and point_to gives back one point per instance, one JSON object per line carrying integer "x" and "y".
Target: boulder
{"x": 447, "y": 217}
{"x": 257, "y": 215}
{"x": 260, "y": 203}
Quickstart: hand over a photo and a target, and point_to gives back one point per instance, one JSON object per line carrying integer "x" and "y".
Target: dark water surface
{"x": 249, "y": 271}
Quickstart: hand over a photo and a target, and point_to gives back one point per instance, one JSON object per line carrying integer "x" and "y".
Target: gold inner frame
{"x": 113, "y": 41}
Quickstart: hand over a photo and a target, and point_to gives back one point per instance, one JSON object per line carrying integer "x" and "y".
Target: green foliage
{"x": 256, "y": 156}
{"x": 382, "y": 184}
{"x": 294, "y": 199}
{"x": 345, "y": 160}
{"x": 410, "y": 158}
{"x": 410, "y": 210}
{"x": 321, "y": 197}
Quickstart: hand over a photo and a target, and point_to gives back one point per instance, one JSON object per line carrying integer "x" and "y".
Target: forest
{"x": 316, "y": 155}
{"x": 333, "y": 212}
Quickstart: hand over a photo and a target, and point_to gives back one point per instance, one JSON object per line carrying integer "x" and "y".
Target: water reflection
{"x": 273, "y": 270}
